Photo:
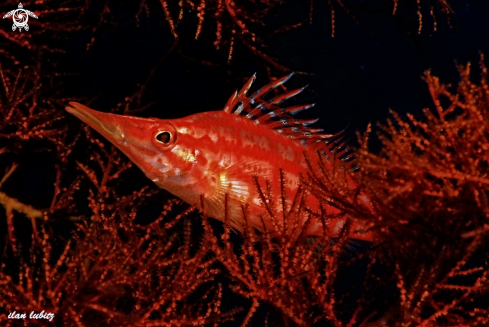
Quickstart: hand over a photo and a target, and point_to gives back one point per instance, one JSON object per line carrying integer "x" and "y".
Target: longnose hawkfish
{"x": 210, "y": 158}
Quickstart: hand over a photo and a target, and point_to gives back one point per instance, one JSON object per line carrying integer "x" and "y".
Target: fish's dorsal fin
{"x": 280, "y": 118}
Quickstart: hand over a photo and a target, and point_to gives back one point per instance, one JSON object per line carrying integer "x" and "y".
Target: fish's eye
{"x": 163, "y": 137}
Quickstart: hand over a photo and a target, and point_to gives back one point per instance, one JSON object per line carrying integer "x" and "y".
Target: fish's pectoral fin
{"x": 233, "y": 184}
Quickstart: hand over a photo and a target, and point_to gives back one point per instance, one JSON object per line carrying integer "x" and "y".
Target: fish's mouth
{"x": 102, "y": 122}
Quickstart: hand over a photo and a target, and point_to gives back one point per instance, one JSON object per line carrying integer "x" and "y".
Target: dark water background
{"x": 369, "y": 66}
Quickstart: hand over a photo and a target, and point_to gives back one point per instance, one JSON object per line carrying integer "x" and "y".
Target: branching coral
{"x": 428, "y": 193}
{"x": 227, "y": 23}
{"x": 424, "y": 9}
{"x": 232, "y": 21}
{"x": 56, "y": 19}
{"x": 30, "y": 123}
{"x": 113, "y": 271}
{"x": 439, "y": 165}
{"x": 424, "y": 197}
{"x": 430, "y": 7}
{"x": 295, "y": 274}
{"x": 27, "y": 115}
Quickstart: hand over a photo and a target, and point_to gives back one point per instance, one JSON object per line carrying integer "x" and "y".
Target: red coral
{"x": 428, "y": 188}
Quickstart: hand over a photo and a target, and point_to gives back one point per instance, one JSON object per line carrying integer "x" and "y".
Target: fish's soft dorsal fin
{"x": 271, "y": 113}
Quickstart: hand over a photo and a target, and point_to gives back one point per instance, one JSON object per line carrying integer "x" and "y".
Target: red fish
{"x": 214, "y": 155}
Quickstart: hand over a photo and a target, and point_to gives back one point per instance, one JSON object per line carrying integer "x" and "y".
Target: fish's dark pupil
{"x": 163, "y": 137}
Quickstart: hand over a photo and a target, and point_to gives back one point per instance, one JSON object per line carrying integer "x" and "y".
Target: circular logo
{"x": 20, "y": 18}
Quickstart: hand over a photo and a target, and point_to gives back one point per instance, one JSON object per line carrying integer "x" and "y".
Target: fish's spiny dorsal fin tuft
{"x": 280, "y": 118}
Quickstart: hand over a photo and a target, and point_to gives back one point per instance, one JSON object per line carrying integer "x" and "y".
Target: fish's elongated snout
{"x": 104, "y": 123}
{"x": 134, "y": 136}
